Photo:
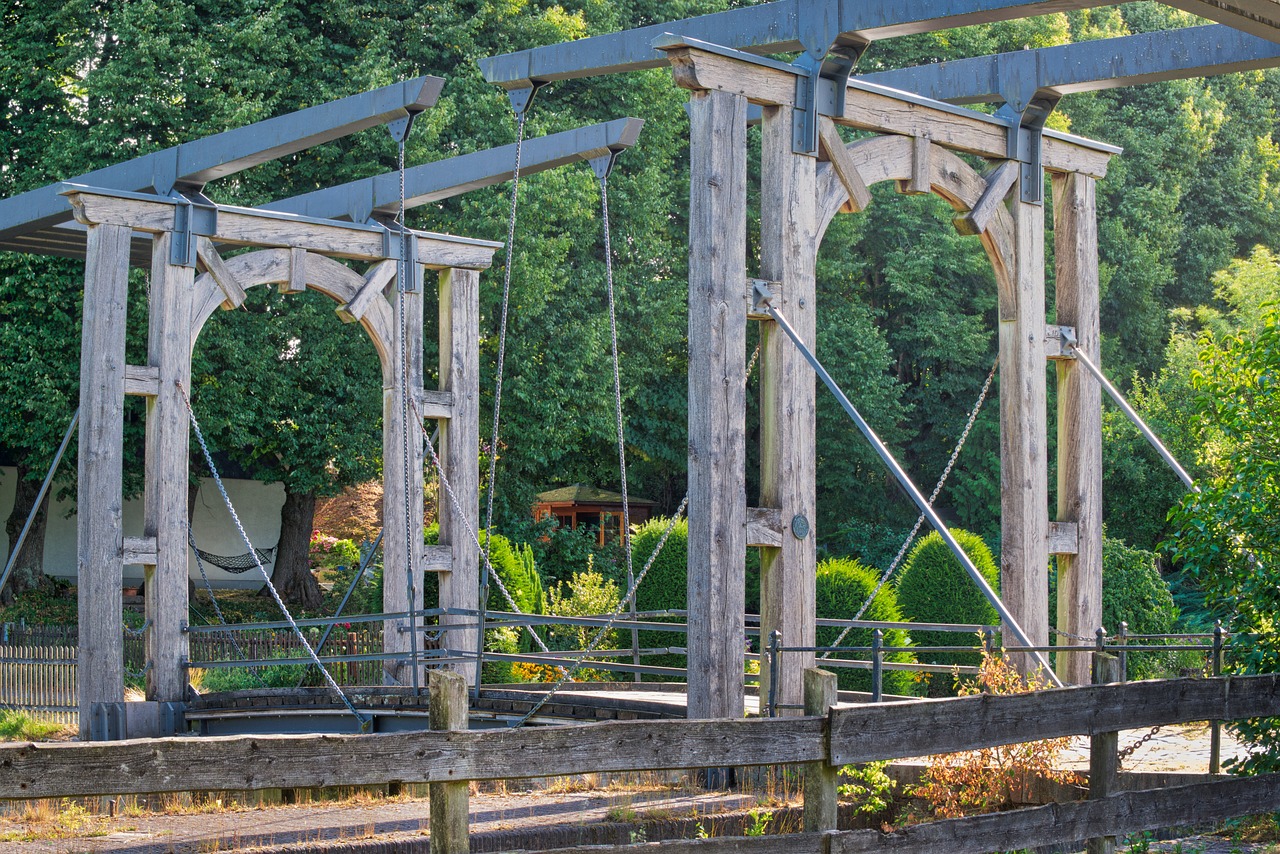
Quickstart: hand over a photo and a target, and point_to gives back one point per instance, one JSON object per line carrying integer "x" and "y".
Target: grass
{"x": 23, "y": 726}
{"x": 49, "y": 819}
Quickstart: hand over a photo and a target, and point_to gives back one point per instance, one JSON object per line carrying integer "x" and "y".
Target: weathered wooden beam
{"x": 139, "y": 550}
{"x": 918, "y": 184}
{"x": 284, "y": 761}
{"x": 376, "y": 280}
{"x": 141, "y": 380}
{"x": 764, "y": 527}
{"x": 717, "y": 402}
{"x": 1054, "y": 824}
{"x": 166, "y": 475}
{"x": 1055, "y": 342}
{"x": 1024, "y": 472}
{"x": 880, "y": 109}
{"x": 999, "y": 183}
{"x": 821, "y": 805}
{"x": 459, "y": 454}
{"x": 433, "y": 404}
{"x": 297, "y": 281}
{"x": 99, "y": 531}
{"x": 1104, "y": 758}
{"x": 897, "y": 730}
{"x": 448, "y": 801}
{"x": 833, "y": 148}
{"x": 1079, "y": 413}
{"x": 222, "y": 276}
{"x": 788, "y": 253}
{"x": 437, "y": 559}
{"x": 249, "y": 227}
{"x": 1063, "y": 539}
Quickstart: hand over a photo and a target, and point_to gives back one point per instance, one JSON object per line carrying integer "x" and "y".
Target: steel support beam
{"x": 779, "y": 27}
{"x": 379, "y": 196}
{"x": 193, "y": 164}
{"x": 1086, "y": 66}
{"x": 1256, "y": 17}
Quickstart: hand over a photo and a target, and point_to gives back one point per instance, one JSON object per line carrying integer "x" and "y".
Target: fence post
{"x": 1123, "y": 639}
{"x": 877, "y": 665}
{"x": 448, "y": 801}
{"x": 820, "y": 809}
{"x": 775, "y": 642}
{"x": 1103, "y": 751}
{"x": 1215, "y": 726}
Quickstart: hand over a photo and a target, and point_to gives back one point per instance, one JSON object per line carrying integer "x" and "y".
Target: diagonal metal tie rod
{"x": 763, "y": 300}
{"x": 35, "y": 508}
{"x": 1074, "y": 351}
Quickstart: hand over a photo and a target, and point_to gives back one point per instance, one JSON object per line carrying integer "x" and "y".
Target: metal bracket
{"x": 824, "y": 75}
{"x": 402, "y": 127}
{"x": 395, "y": 247}
{"x": 1026, "y": 141}
{"x": 194, "y": 216}
{"x": 761, "y": 296}
{"x": 603, "y": 164}
{"x": 521, "y": 98}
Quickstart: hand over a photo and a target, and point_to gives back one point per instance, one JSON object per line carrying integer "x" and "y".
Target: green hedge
{"x": 843, "y": 585}
{"x": 934, "y": 587}
{"x": 1133, "y": 592}
{"x": 666, "y": 584}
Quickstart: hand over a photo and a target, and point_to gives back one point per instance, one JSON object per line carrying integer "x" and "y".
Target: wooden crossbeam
{"x": 999, "y": 183}
{"x": 846, "y": 170}
{"x": 212, "y": 262}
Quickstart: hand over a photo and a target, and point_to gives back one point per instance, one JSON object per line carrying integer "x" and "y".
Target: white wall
{"x": 257, "y": 504}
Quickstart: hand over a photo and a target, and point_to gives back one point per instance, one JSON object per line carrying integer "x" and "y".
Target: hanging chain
{"x": 502, "y": 336}
{"x": 751, "y": 364}
{"x": 617, "y": 376}
{"x": 1122, "y": 755}
{"x": 567, "y": 673}
{"x": 915, "y": 529}
{"x": 235, "y": 517}
{"x": 402, "y": 274}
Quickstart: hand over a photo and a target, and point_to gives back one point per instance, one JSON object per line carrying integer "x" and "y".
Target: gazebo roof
{"x": 582, "y": 493}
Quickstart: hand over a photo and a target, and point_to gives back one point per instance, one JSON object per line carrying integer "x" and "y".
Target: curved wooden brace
{"x": 323, "y": 274}
{"x": 890, "y": 158}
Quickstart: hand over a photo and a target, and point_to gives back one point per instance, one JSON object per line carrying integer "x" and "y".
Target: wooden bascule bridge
{"x": 349, "y": 243}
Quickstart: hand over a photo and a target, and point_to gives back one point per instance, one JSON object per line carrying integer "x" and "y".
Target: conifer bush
{"x": 843, "y": 585}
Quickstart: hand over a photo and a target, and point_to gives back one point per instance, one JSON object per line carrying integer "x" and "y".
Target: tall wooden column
{"x": 788, "y": 253}
{"x": 99, "y": 532}
{"x": 1079, "y": 419}
{"x": 1024, "y": 473}
{"x": 402, "y": 553}
{"x": 165, "y": 505}
{"x": 717, "y": 402}
{"x": 459, "y": 454}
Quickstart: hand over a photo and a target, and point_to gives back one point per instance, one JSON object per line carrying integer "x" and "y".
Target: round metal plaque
{"x": 799, "y": 526}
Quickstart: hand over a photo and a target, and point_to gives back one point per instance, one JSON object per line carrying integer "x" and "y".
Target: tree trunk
{"x": 28, "y": 571}
{"x": 292, "y": 575}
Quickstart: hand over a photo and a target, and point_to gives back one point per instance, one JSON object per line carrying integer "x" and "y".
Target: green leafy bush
{"x": 666, "y": 584}
{"x": 843, "y": 585}
{"x": 934, "y": 587}
{"x": 1133, "y": 592}
{"x": 330, "y": 553}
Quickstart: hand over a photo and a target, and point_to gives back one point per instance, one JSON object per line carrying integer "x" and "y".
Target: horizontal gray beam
{"x": 1086, "y": 66}
{"x": 1257, "y": 17}
{"x": 779, "y": 27}
{"x": 202, "y": 160}
{"x": 430, "y": 182}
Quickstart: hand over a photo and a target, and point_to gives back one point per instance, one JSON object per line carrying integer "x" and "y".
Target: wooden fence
{"x": 40, "y": 679}
{"x": 823, "y": 743}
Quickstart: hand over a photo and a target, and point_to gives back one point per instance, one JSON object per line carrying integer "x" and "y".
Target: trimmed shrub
{"x": 843, "y": 585}
{"x": 1133, "y": 592}
{"x": 934, "y": 587}
{"x": 666, "y": 585}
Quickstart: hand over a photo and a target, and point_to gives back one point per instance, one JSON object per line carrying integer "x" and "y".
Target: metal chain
{"x": 402, "y": 274}
{"x": 471, "y": 532}
{"x": 1122, "y": 755}
{"x": 751, "y": 363}
{"x": 1065, "y": 634}
{"x": 567, "y": 673}
{"x": 502, "y": 339}
{"x": 617, "y": 377}
{"x": 915, "y": 529}
{"x": 222, "y": 490}
{"x": 140, "y": 630}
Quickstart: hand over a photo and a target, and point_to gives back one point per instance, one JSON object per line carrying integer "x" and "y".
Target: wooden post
{"x": 1079, "y": 418}
{"x": 99, "y": 531}
{"x": 717, "y": 402}
{"x": 459, "y": 454}
{"x": 1024, "y": 474}
{"x": 402, "y": 555}
{"x": 820, "y": 778}
{"x": 448, "y": 801}
{"x": 788, "y": 253}
{"x": 1103, "y": 751}
{"x": 165, "y": 504}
